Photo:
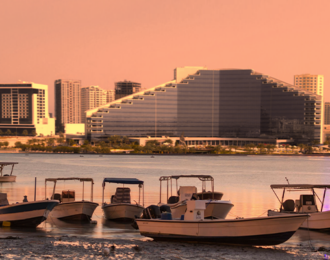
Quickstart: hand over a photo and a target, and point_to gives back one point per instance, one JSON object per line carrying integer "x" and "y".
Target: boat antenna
{"x": 287, "y": 180}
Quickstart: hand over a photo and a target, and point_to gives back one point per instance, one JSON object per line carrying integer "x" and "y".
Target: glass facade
{"x": 213, "y": 103}
{"x": 125, "y": 88}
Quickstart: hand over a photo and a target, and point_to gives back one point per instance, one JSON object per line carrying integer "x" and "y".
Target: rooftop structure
{"x": 125, "y": 88}
{"x": 310, "y": 83}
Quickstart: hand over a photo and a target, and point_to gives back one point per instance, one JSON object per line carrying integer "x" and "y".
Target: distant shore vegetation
{"x": 122, "y": 144}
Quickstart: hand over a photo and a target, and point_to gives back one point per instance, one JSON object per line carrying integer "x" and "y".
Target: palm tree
{"x": 169, "y": 141}
{"x": 50, "y": 141}
{"x": 302, "y": 147}
{"x": 261, "y": 147}
{"x": 218, "y": 149}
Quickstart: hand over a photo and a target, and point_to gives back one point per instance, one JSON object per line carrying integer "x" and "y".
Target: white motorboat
{"x": 69, "y": 208}
{"x": 120, "y": 207}
{"x": 260, "y": 231}
{"x": 215, "y": 209}
{"x": 304, "y": 204}
{"x": 25, "y": 214}
{"x": 7, "y": 177}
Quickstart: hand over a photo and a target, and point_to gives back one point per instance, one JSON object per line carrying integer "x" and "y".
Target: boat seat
{"x": 288, "y": 205}
{"x": 165, "y": 208}
{"x": 173, "y": 199}
{"x": 3, "y": 199}
{"x": 57, "y": 196}
{"x": 122, "y": 195}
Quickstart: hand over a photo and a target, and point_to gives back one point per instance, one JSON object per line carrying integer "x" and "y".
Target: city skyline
{"x": 93, "y": 43}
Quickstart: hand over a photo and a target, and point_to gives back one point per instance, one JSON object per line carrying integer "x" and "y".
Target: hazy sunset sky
{"x": 103, "y": 41}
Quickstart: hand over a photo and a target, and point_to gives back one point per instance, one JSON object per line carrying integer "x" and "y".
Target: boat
{"x": 7, "y": 177}
{"x": 259, "y": 231}
{"x": 305, "y": 203}
{"x": 216, "y": 208}
{"x": 25, "y": 214}
{"x": 69, "y": 208}
{"x": 120, "y": 207}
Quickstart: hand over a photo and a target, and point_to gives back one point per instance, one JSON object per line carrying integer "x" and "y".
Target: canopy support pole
{"x": 83, "y": 190}
{"x": 12, "y": 168}
{"x": 160, "y": 192}
{"x": 103, "y": 193}
{"x": 92, "y": 184}
{"x": 325, "y": 191}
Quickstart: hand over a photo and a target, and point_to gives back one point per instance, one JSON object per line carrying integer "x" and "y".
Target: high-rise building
{"x": 24, "y": 109}
{"x": 310, "y": 83}
{"x": 314, "y": 84}
{"x": 327, "y": 113}
{"x": 110, "y": 96}
{"x": 227, "y": 103}
{"x": 125, "y": 88}
{"x": 92, "y": 96}
{"x": 67, "y": 103}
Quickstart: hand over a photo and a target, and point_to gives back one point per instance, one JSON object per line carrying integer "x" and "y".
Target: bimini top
{"x": 300, "y": 186}
{"x": 69, "y": 179}
{"x": 123, "y": 180}
{"x": 201, "y": 177}
{"x": 7, "y": 163}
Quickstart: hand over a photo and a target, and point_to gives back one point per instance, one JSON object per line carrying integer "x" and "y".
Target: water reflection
{"x": 119, "y": 226}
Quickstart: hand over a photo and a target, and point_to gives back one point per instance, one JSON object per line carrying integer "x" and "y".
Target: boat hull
{"x": 252, "y": 231}
{"x": 10, "y": 178}
{"x": 74, "y": 211}
{"x": 317, "y": 220}
{"x": 122, "y": 211}
{"x": 27, "y": 214}
{"x": 214, "y": 209}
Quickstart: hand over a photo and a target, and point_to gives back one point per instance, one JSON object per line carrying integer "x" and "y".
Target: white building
{"x": 310, "y": 83}
{"x": 110, "y": 96}
{"x": 91, "y": 97}
{"x": 24, "y": 109}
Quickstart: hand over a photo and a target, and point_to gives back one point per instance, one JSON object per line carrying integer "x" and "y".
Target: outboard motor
{"x": 151, "y": 212}
{"x": 165, "y": 208}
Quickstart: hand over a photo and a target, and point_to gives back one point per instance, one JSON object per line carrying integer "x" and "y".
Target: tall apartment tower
{"x": 110, "y": 96}
{"x": 67, "y": 103}
{"x": 125, "y": 88}
{"x": 91, "y": 97}
{"x": 311, "y": 83}
{"x": 24, "y": 109}
{"x": 327, "y": 113}
{"x": 314, "y": 84}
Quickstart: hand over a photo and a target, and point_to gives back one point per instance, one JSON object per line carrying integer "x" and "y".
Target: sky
{"x": 104, "y": 41}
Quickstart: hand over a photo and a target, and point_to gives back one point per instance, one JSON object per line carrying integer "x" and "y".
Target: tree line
{"x": 63, "y": 145}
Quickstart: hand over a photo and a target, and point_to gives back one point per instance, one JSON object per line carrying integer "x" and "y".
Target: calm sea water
{"x": 245, "y": 180}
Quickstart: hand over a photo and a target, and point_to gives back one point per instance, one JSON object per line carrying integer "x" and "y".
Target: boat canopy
{"x": 3, "y": 164}
{"x": 300, "y": 186}
{"x": 176, "y": 177}
{"x": 123, "y": 180}
{"x": 7, "y": 163}
{"x": 68, "y": 179}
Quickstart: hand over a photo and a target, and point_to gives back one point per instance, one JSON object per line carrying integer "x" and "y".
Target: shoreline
{"x": 174, "y": 154}
{"x": 73, "y": 247}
